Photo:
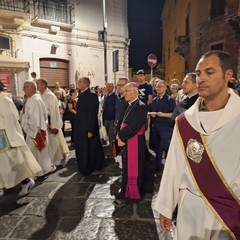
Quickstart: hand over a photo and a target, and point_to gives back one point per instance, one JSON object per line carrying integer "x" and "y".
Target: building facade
{"x": 192, "y": 27}
{"x": 63, "y": 41}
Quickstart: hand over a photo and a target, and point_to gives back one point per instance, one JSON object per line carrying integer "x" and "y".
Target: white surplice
{"x": 57, "y": 144}
{"x": 16, "y": 162}
{"x": 221, "y": 131}
{"x": 33, "y": 119}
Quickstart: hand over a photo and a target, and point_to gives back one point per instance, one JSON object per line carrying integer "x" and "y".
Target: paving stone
{"x": 97, "y": 178}
{"x": 135, "y": 230}
{"x": 73, "y": 189}
{"x": 38, "y": 207}
{"x": 30, "y": 228}
{"x": 144, "y": 209}
{"x": 69, "y": 206}
{"x": 44, "y": 189}
{"x": 61, "y": 175}
{"x": 86, "y": 229}
{"x": 7, "y": 224}
{"x": 124, "y": 212}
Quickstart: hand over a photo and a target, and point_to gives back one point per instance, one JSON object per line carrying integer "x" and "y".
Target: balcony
{"x": 232, "y": 14}
{"x": 53, "y": 15}
{"x": 13, "y": 13}
{"x": 182, "y": 44}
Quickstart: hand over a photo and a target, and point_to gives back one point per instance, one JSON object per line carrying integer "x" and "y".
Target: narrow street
{"x": 66, "y": 205}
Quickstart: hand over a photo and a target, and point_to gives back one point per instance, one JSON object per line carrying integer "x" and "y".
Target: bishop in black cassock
{"x": 131, "y": 139}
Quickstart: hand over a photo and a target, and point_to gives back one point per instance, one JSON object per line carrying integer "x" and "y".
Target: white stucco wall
{"x": 87, "y": 53}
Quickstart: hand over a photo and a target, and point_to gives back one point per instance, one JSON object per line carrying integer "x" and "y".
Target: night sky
{"x": 144, "y": 31}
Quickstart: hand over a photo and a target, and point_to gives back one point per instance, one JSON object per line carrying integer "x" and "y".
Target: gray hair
{"x": 31, "y": 83}
{"x": 86, "y": 80}
{"x": 124, "y": 79}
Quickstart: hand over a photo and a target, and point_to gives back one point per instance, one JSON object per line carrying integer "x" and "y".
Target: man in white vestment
{"x": 57, "y": 144}
{"x": 33, "y": 120}
{"x": 215, "y": 117}
{"x": 17, "y": 163}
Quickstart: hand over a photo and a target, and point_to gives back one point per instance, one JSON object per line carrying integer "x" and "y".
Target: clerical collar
{"x": 130, "y": 103}
{"x": 192, "y": 95}
{"x": 160, "y": 97}
{"x": 84, "y": 90}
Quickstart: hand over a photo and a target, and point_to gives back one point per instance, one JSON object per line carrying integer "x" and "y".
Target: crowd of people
{"x": 185, "y": 126}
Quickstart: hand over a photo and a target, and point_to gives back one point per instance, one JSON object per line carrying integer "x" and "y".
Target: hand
{"x": 53, "y": 130}
{"x": 89, "y": 135}
{"x": 152, "y": 114}
{"x": 165, "y": 223}
{"x": 120, "y": 143}
{"x": 160, "y": 114}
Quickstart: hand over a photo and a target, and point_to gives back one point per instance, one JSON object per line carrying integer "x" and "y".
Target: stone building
{"x": 62, "y": 40}
{"x": 192, "y": 27}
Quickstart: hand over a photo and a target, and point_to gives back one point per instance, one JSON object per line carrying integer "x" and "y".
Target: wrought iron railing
{"x": 16, "y": 5}
{"x": 52, "y": 11}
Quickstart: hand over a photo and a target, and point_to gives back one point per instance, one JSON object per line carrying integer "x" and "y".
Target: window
{"x": 217, "y": 8}
{"x": 218, "y": 46}
{"x": 4, "y": 43}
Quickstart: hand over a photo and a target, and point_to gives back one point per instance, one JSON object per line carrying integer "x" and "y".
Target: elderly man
{"x": 109, "y": 111}
{"x": 34, "y": 123}
{"x": 160, "y": 111}
{"x": 17, "y": 162}
{"x": 88, "y": 147}
{"x": 134, "y": 151}
{"x": 121, "y": 103}
{"x": 57, "y": 145}
{"x": 203, "y": 164}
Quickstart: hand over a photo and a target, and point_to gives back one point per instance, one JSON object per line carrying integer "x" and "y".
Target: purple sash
{"x": 209, "y": 181}
{"x": 132, "y": 190}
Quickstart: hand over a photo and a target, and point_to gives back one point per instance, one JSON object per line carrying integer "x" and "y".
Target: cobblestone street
{"x": 67, "y": 205}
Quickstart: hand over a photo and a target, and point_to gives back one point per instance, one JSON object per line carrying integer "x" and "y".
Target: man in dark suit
{"x": 189, "y": 88}
{"x": 134, "y": 151}
{"x": 89, "y": 152}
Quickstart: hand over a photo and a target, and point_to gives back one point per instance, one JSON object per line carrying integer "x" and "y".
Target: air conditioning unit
{"x": 54, "y": 29}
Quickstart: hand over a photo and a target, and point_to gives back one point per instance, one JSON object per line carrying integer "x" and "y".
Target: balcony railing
{"x": 15, "y": 5}
{"x": 51, "y": 11}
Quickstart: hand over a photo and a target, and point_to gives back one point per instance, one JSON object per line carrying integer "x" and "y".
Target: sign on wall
{"x": 5, "y": 78}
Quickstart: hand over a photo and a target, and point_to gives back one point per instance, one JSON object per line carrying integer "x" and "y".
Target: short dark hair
{"x": 224, "y": 58}
{"x": 72, "y": 90}
{"x": 33, "y": 74}
{"x": 43, "y": 81}
{"x": 141, "y": 71}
